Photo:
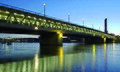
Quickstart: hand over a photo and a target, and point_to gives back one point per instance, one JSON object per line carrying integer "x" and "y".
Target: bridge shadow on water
{"x": 68, "y": 48}
{"x": 50, "y": 50}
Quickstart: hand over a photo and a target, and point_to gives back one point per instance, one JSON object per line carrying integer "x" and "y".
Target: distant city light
{"x": 65, "y": 37}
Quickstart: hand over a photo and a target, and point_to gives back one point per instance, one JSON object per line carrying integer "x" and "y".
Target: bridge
{"x": 51, "y": 30}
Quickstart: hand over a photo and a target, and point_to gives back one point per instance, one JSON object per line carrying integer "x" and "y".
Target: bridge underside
{"x": 97, "y": 40}
{"x": 19, "y": 29}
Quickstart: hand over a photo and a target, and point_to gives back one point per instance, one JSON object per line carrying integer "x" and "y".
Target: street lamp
{"x": 92, "y": 26}
{"x": 68, "y": 17}
{"x": 83, "y": 21}
{"x": 99, "y": 27}
{"x": 44, "y": 9}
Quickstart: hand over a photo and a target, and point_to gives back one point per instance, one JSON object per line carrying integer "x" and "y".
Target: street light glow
{"x": 44, "y": 4}
{"x": 36, "y": 28}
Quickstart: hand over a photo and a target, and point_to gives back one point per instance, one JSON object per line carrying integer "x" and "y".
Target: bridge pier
{"x": 51, "y": 39}
{"x": 50, "y": 43}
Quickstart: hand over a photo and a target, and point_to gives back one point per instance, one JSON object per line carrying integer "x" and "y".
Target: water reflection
{"x": 51, "y": 50}
{"x": 105, "y": 51}
{"x": 17, "y": 52}
{"x": 7, "y": 47}
{"x": 93, "y": 55}
{"x": 93, "y": 51}
{"x": 113, "y": 46}
{"x": 5, "y": 50}
{"x": 36, "y": 62}
{"x": 105, "y": 57}
{"x": 78, "y": 58}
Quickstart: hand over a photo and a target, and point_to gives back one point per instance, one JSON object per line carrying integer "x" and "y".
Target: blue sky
{"x": 92, "y": 12}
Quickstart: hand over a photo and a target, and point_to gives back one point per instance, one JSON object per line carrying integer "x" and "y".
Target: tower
{"x": 105, "y": 26}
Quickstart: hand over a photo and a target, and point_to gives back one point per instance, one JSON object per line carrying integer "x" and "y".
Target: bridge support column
{"x": 53, "y": 39}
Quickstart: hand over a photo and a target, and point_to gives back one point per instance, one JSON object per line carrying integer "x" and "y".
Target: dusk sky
{"x": 92, "y": 12}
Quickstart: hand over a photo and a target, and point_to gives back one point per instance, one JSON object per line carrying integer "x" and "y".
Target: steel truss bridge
{"x": 16, "y": 16}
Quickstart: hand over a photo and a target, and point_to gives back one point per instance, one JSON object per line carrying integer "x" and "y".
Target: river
{"x": 71, "y": 57}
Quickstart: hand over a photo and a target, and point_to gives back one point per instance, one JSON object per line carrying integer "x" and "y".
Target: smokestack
{"x": 105, "y": 25}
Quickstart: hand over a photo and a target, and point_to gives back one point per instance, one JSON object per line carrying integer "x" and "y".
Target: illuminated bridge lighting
{"x": 22, "y": 18}
{"x": 36, "y": 28}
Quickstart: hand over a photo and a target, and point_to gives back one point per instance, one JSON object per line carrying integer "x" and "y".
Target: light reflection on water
{"x": 71, "y": 57}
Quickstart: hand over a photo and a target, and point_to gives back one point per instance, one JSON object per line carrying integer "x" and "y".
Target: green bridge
{"x": 12, "y": 18}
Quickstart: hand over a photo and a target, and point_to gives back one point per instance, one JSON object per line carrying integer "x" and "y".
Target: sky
{"x": 90, "y": 13}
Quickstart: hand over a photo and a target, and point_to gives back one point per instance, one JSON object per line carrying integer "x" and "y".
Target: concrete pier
{"x": 52, "y": 39}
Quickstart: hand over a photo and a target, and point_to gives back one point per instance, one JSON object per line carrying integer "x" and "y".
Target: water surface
{"x": 71, "y": 57}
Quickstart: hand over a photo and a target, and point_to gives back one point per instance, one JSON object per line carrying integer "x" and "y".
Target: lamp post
{"x": 83, "y": 21}
{"x": 92, "y": 26}
{"x": 44, "y": 9}
{"x": 99, "y": 27}
{"x": 68, "y": 17}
